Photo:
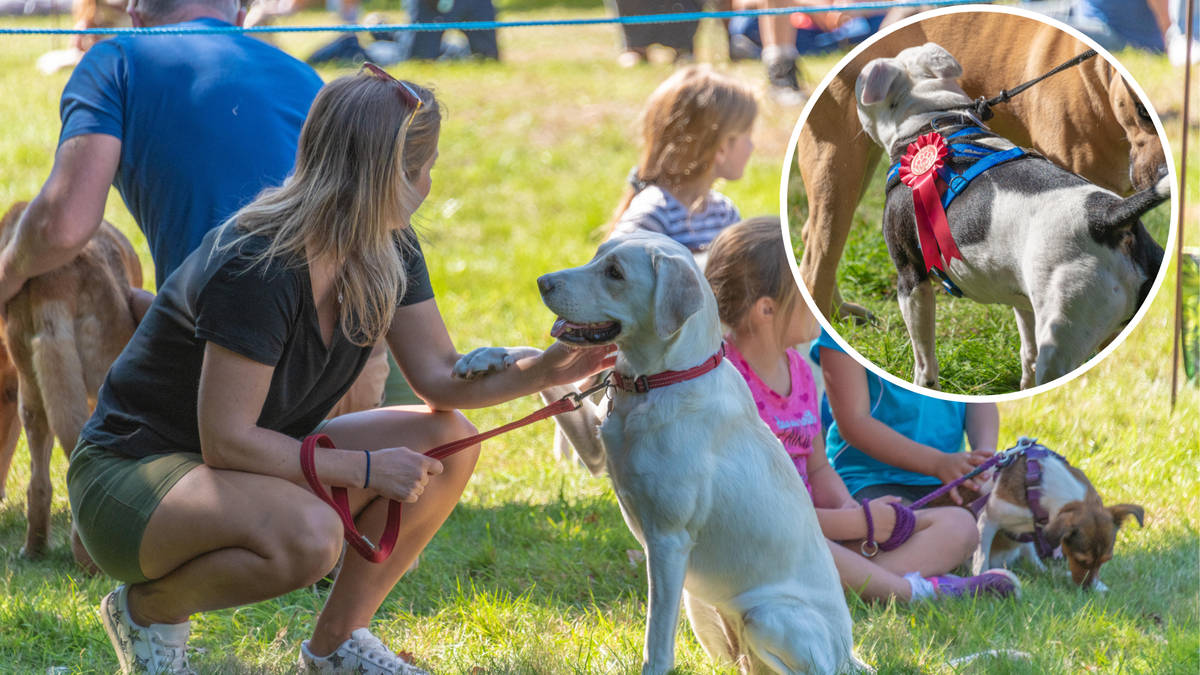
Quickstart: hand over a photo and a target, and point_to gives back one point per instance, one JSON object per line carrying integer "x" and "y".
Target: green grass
{"x": 531, "y": 574}
{"x": 977, "y": 345}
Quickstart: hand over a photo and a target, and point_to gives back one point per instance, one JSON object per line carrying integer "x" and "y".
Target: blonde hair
{"x": 747, "y": 261}
{"x": 351, "y": 196}
{"x": 684, "y": 123}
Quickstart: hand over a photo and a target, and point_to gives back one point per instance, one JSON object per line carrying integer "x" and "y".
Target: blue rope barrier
{"x": 485, "y": 25}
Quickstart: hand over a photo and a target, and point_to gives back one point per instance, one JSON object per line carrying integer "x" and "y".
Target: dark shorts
{"x": 112, "y": 497}
{"x": 909, "y": 493}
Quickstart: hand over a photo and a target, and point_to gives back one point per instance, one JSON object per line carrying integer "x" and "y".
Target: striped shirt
{"x": 656, "y": 210}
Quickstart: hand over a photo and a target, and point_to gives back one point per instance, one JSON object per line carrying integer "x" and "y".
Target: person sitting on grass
{"x": 886, "y": 440}
{"x": 187, "y": 484}
{"x": 695, "y": 129}
{"x": 881, "y": 549}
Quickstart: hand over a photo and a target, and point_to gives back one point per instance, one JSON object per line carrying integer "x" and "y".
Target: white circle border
{"x": 1168, "y": 249}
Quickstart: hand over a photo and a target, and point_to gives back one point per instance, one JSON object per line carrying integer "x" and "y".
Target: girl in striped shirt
{"x": 695, "y": 129}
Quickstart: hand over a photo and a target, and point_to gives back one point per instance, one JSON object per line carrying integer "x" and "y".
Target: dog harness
{"x": 1035, "y": 454}
{"x": 975, "y": 159}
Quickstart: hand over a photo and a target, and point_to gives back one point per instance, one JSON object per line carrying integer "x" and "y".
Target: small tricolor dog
{"x": 999, "y": 224}
{"x": 1038, "y": 502}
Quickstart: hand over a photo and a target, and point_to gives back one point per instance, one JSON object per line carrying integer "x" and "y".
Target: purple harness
{"x": 1034, "y": 454}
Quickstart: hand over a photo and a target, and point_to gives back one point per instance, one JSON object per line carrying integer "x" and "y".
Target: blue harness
{"x": 983, "y": 158}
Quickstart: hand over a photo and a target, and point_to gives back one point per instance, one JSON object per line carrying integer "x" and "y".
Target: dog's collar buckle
{"x": 641, "y": 385}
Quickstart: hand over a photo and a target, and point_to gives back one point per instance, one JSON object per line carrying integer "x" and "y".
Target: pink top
{"x": 795, "y": 418}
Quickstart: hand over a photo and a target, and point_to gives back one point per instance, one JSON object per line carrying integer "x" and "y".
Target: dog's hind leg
{"x": 1026, "y": 328}
{"x": 719, "y": 640}
{"x": 1071, "y": 322}
{"x": 40, "y": 491}
{"x": 917, "y": 307}
{"x": 775, "y": 638}
{"x": 10, "y": 425}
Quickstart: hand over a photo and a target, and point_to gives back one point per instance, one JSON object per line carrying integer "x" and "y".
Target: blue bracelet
{"x": 367, "y": 479}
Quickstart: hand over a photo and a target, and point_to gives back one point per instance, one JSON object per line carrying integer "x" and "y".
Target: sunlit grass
{"x": 531, "y": 572}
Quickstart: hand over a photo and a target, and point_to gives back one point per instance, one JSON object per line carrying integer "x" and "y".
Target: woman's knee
{"x": 309, "y": 546}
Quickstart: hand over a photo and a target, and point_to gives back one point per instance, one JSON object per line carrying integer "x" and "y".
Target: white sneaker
{"x": 158, "y": 648}
{"x": 362, "y": 653}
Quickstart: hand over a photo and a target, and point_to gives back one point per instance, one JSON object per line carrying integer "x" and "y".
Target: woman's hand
{"x": 951, "y": 466}
{"x": 401, "y": 474}
{"x": 883, "y": 517}
{"x": 565, "y": 363}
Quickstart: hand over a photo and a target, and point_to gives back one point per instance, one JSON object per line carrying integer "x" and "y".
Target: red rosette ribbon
{"x": 919, "y": 171}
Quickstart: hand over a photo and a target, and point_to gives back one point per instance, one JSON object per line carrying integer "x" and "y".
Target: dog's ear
{"x": 677, "y": 293}
{"x": 876, "y": 79}
{"x": 1120, "y": 512}
{"x": 1063, "y": 524}
{"x": 941, "y": 63}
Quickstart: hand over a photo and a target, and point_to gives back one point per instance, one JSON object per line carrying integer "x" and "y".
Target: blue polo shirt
{"x": 205, "y": 123}
{"x": 927, "y": 420}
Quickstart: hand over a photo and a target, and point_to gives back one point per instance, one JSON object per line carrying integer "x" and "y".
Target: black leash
{"x": 983, "y": 107}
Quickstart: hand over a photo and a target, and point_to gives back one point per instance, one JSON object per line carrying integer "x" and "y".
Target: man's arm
{"x": 64, "y": 215}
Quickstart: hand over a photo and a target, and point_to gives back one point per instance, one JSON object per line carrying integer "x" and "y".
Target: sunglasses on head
{"x": 407, "y": 95}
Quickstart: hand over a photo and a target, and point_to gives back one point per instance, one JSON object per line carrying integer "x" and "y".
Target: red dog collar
{"x": 644, "y": 383}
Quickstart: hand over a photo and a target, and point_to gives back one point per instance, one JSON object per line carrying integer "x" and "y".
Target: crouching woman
{"x": 187, "y": 484}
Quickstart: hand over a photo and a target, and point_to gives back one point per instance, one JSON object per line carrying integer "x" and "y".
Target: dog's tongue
{"x": 562, "y": 325}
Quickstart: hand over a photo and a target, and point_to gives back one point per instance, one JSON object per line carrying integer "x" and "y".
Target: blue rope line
{"x": 483, "y": 25}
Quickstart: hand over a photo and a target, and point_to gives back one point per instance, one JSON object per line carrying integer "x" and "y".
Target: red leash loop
{"x": 339, "y": 502}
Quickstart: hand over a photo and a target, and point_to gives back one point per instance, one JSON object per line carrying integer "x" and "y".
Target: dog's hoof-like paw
{"x": 483, "y": 361}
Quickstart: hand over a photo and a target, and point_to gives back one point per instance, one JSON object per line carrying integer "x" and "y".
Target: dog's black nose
{"x": 546, "y": 284}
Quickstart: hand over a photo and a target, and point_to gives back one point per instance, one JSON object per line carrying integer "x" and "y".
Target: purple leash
{"x": 906, "y": 522}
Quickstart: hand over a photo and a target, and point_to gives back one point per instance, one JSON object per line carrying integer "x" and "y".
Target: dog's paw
{"x": 487, "y": 360}
{"x": 483, "y": 361}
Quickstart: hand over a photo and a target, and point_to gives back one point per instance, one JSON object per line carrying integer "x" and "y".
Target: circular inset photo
{"x": 978, "y": 201}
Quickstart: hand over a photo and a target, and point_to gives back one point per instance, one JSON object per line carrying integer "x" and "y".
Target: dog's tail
{"x": 59, "y": 372}
{"x": 1125, "y": 213}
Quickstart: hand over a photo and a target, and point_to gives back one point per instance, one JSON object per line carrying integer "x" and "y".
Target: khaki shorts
{"x": 112, "y": 497}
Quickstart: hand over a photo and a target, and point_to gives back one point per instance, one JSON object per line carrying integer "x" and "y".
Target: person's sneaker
{"x": 362, "y": 653}
{"x": 157, "y": 648}
{"x": 783, "y": 83}
{"x": 996, "y": 582}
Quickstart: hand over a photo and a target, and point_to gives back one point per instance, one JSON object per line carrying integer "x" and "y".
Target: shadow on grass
{"x": 563, "y": 554}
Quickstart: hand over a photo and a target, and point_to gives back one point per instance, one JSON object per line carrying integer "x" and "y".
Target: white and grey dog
{"x": 1072, "y": 259}
{"x": 703, "y": 484}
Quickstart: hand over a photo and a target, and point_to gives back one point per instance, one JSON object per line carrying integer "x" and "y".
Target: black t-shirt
{"x": 264, "y": 312}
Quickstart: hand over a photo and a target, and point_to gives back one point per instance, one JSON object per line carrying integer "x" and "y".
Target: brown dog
{"x": 1086, "y": 119}
{"x": 63, "y": 331}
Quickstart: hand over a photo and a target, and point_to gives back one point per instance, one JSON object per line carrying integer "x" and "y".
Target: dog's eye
{"x": 1142, "y": 112}
{"x": 613, "y": 272}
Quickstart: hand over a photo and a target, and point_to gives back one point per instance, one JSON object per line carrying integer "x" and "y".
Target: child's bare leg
{"x": 944, "y": 538}
{"x": 863, "y": 576}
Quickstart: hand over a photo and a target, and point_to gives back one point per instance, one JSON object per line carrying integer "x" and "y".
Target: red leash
{"x": 341, "y": 504}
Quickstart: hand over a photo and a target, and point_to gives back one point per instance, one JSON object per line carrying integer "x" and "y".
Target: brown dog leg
{"x": 41, "y": 444}
{"x": 10, "y": 429}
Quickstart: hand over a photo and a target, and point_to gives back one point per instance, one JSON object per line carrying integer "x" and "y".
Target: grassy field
{"x": 977, "y": 344}
{"x": 533, "y": 572}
